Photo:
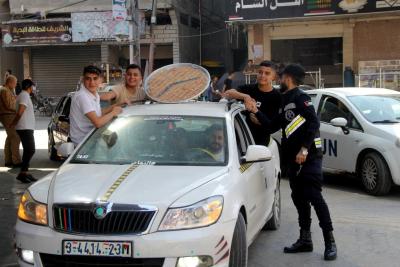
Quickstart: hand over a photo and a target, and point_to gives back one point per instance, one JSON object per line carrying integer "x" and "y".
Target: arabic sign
{"x": 275, "y": 9}
{"x": 119, "y": 10}
{"x": 97, "y": 26}
{"x": 34, "y": 33}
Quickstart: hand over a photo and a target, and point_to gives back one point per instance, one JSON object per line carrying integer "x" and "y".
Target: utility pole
{"x": 152, "y": 37}
{"x": 200, "y": 47}
{"x": 134, "y": 34}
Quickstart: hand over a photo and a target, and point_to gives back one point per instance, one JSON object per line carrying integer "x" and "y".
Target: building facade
{"x": 326, "y": 36}
{"x": 55, "y": 39}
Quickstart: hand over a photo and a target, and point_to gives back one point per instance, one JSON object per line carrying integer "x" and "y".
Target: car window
{"x": 60, "y": 105}
{"x": 243, "y": 139}
{"x": 159, "y": 140}
{"x": 67, "y": 107}
{"x": 378, "y": 108}
{"x": 332, "y": 108}
{"x": 313, "y": 99}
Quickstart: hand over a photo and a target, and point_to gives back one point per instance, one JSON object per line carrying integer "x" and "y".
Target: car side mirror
{"x": 342, "y": 123}
{"x": 63, "y": 118}
{"x": 66, "y": 149}
{"x": 256, "y": 153}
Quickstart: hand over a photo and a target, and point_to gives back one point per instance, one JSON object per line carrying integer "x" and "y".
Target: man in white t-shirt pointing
{"x": 86, "y": 112}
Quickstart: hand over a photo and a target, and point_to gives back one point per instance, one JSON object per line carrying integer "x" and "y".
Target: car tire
{"x": 51, "y": 149}
{"x": 275, "y": 221}
{"x": 238, "y": 254}
{"x": 375, "y": 175}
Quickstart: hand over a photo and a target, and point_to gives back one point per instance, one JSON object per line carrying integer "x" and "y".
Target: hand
{"x": 254, "y": 119}
{"x": 301, "y": 156}
{"x": 116, "y": 110}
{"x": 250, "y": 104}
{"x": 125, "y": 103}
{"x": 227, "y": 94}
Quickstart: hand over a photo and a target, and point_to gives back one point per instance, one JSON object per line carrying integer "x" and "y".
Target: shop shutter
{"x": 56, "y": 70}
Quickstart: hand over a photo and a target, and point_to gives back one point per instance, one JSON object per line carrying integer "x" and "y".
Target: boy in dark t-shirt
{"x": 268, "y": 99}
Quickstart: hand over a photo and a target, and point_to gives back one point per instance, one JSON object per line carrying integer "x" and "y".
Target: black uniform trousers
{"x": 28, "y": 144}
{"x": 306, "y": 185}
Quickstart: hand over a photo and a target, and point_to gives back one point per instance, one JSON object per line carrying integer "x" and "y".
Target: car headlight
{"x": 31, "y": 211}
{"x": 203, "y": 213}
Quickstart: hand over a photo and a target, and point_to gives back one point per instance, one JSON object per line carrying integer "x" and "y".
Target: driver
{"x": 215, "y": 143}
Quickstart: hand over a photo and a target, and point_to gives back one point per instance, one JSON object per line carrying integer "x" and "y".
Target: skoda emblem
{"x": 100, "y": 212}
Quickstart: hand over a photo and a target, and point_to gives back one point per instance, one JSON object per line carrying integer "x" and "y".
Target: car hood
{"x": 147, "y": 185}
{"x": 391, "y": 129}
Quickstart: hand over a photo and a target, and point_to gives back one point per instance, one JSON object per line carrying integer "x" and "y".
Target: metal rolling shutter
{"x": 56, "y": 70}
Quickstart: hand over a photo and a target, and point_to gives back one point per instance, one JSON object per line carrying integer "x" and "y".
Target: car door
{"x": 256, "y": 186}
{"x": 340, "y": 147}
{"x": 63, "y": 124}
{"x": 55, "y": 120}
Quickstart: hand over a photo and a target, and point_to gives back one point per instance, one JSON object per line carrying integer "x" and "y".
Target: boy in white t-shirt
{"x": 86, "y": 112}
{"x": 24, "y": 123}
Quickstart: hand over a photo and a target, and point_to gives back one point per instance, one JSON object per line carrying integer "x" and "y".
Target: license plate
{"x": 96, "y": 248}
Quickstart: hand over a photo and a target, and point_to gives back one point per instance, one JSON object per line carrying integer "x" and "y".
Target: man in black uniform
{"x": 301, "y": 147}
{"x": 267, "y": 98}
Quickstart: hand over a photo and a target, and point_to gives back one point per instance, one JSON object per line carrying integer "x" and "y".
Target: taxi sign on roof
{"x": 177, "y": 83}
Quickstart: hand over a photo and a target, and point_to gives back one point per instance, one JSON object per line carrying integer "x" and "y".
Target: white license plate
{"x": 96, "y": 248}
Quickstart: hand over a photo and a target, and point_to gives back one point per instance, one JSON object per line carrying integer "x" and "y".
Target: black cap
{"x": 26, "y": 84}
{"x": 296, "y": 71}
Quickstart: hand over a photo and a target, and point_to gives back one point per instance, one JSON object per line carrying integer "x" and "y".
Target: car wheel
{"x": 375, "y": 175}
{"x": 51, "y": 149}
{"x": 275, "y": 221}
{"x": 238, "y": 254}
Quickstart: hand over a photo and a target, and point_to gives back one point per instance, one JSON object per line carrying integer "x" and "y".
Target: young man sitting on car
{"x": 86, "y": 112}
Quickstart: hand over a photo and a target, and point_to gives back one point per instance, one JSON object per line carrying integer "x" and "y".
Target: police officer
{"x": 301, "y": 147}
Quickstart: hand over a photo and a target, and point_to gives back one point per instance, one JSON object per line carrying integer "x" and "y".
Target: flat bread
{"x": 177, "y": 83}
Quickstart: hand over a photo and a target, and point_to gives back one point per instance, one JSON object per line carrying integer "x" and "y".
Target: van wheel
{"x": 275, "y": 221}
{"x": 375, "y": 175}
{"x": 238, "y": 255}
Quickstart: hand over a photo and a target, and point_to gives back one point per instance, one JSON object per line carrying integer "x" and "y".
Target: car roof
{"x": 206, "y": 109}
{"x": 354, "y": 91}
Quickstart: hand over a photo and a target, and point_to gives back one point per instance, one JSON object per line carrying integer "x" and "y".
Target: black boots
{"x": 330, "y": 253}
{"x": 303, "y": 244}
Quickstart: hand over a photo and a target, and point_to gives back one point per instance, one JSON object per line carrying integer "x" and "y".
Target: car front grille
{"x": 120, "y": 219}
{"x": 49, "y": 260}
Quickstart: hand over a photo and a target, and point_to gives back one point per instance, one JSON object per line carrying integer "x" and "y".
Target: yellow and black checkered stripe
{"x": 294, "y": 125}
{"x": 244, "y": 167}
{"x": 118, "y": 182}
{"x": 318, "y": 142}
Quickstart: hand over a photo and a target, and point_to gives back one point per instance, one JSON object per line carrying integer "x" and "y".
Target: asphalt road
{"x": 367, "y": 229}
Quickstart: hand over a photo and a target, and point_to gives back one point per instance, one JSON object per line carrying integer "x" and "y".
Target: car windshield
{"x": 378, "y": 108}
{"x": 157, "y": 140}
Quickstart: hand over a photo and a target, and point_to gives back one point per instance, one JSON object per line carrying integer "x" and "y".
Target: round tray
{"x": 177, "y": 83}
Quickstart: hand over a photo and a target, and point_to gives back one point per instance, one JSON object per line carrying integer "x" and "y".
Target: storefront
{"x": 324, "y": 36}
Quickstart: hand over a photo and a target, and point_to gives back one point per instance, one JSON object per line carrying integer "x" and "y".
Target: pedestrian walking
{"x": 267, "y": 98}
{"x": 301, "y": 147}
{"x": 86, "y": 113}
{"x": 130, "y": 91}
{"x": 12, "y": 157}
{"x": 24, "y": 123}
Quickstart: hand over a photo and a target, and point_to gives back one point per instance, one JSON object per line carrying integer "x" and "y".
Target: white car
{"x": 172, "y": 185}
{"x": 360, "y": 128}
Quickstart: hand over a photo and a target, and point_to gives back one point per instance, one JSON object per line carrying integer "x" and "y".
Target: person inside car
{"x": 86, "y": 112}
{"x": 215, "y": 144}
{"x": 128, "y": 92}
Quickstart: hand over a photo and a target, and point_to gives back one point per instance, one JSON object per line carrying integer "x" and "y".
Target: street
{"x": 367, "y": 228}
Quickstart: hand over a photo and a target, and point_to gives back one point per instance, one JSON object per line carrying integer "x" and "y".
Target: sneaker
{"x": 23, "y": 178}
{"x": 31, "y": 178}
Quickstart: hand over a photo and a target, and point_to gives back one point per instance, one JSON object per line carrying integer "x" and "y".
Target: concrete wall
{"x": 376, "y": 40}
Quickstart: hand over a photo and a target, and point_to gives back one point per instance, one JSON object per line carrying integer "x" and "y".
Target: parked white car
{"x": 360, "y": 128}
{"x": 162, "y": 185}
